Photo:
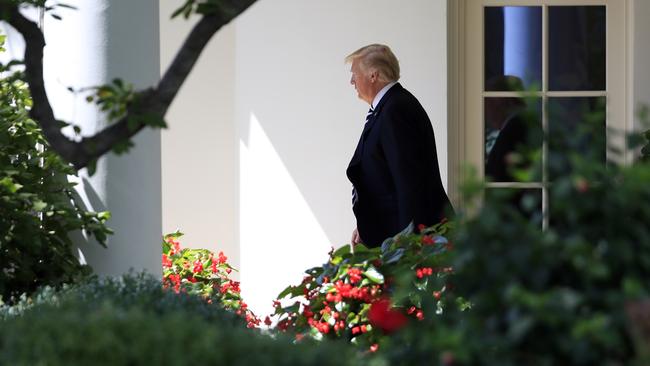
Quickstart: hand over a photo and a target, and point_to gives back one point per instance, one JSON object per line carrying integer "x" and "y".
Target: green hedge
{"x": 133, "y": 321}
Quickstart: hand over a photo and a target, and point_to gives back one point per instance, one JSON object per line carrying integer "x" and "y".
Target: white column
{"x": 93, "y": 44}
{"x": 522, "y": 32}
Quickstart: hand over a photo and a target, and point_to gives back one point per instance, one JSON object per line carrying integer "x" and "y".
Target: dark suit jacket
{"x": 395, "y": 171}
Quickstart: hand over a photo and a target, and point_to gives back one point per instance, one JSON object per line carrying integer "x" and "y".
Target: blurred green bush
{"x": 134, "y": 321}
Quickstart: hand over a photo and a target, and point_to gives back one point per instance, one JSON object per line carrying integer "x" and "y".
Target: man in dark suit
{"x": 394, "y": 170}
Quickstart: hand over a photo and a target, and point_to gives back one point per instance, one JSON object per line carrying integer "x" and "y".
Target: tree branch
{"x": 151, "y": 101}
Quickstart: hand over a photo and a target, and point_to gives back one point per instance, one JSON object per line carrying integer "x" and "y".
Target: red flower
{"x": 176, "y": 280}
{"x": 355, "y": 275}
{"x": 374, "y": 347}
{"x": 283, "y": 325}
{"x": 322, "y": 327}
{"x": 222, "y": 258}
{"x": 307, "y": 312}
{"x": 198, "y": 267}
{"x": 427, "y": 240}
{"x": 267, "y": 320}
{"x": 419, "y": 314}
{"x": 421, "y": 227}
{"x": 166, "y": 262}
{"x": 325, "y": 310}
{"x": 421, "y": 272}
{"x": 176, "y": 248}
{"x": 382, "y": 316}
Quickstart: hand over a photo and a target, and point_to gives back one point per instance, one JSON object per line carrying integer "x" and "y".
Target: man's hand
{"x": 356, "y": 239}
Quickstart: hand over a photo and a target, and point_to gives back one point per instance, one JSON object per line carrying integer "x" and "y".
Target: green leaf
{"x": 373, "y": 275}
{"x": 176, "y": 234}
{"x": 416, "y": 299}
{"x": 67, "y": 6}
{"x": 291, "y": 290}
{"x": 345, "y": 249}
{"x": 9, "y": 183}
{"x": 393, "y": 256}
{"x": 39, "y": 205}
{"x": 132, "y": 123}
{"x": 385, "y": 246}
{"x": 421, "y": 284}
{"x": 91, "y": 168}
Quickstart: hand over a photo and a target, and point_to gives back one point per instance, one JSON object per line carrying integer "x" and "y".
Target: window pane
{"x": 513, "y": 46}
{"x": 576, "y": 129}
{"x": 513, "y": 139}
{"x": 527, "y": 201}
{"x": 576, "y": 47}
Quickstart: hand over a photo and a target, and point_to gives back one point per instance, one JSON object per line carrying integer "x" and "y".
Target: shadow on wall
{"x": 88, "y": 250}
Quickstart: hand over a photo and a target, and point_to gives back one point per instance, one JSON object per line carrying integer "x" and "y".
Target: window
{"x": 535, "y": 68}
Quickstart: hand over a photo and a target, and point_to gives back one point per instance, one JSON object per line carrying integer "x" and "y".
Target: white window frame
{"x": 466, "y": 76}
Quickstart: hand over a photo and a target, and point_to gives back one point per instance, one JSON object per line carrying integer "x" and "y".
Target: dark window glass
{"x": 576, "y": 128}
{"x": 513, "y": 139}
{"x": 528, "y": 201}
{"x": 513, "y": 46}
{"x": 576, "y": 48}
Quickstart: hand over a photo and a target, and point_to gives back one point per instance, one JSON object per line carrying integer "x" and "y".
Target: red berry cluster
{"x": 419, "y": 314}
{"x": 354, "y": 274}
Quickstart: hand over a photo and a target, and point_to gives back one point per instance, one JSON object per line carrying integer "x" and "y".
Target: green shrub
{"x": 557, "y": 296}
{"x": 37, "y": 210}
{"x": 134, "y": 321}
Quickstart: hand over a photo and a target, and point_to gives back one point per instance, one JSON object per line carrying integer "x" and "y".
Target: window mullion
{"x": 545, "y": 198}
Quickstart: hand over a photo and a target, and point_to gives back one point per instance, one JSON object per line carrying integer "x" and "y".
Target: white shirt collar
{"x": 381, "y": 94}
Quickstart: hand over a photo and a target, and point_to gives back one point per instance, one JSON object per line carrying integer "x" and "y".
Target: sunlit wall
{"x": 276, "y": 122}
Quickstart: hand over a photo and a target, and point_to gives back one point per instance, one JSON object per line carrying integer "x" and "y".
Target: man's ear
{"x": 374, "y": 75}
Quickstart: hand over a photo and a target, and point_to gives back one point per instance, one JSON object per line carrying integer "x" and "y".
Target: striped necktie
{"x": 369, "y": 115}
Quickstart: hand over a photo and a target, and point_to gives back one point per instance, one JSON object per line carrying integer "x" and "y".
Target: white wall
{"x": 292, "y": 126}
{"x": 199, "y": 148}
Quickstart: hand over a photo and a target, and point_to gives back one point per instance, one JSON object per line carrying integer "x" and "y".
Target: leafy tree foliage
{"x": 37, "y": 209}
